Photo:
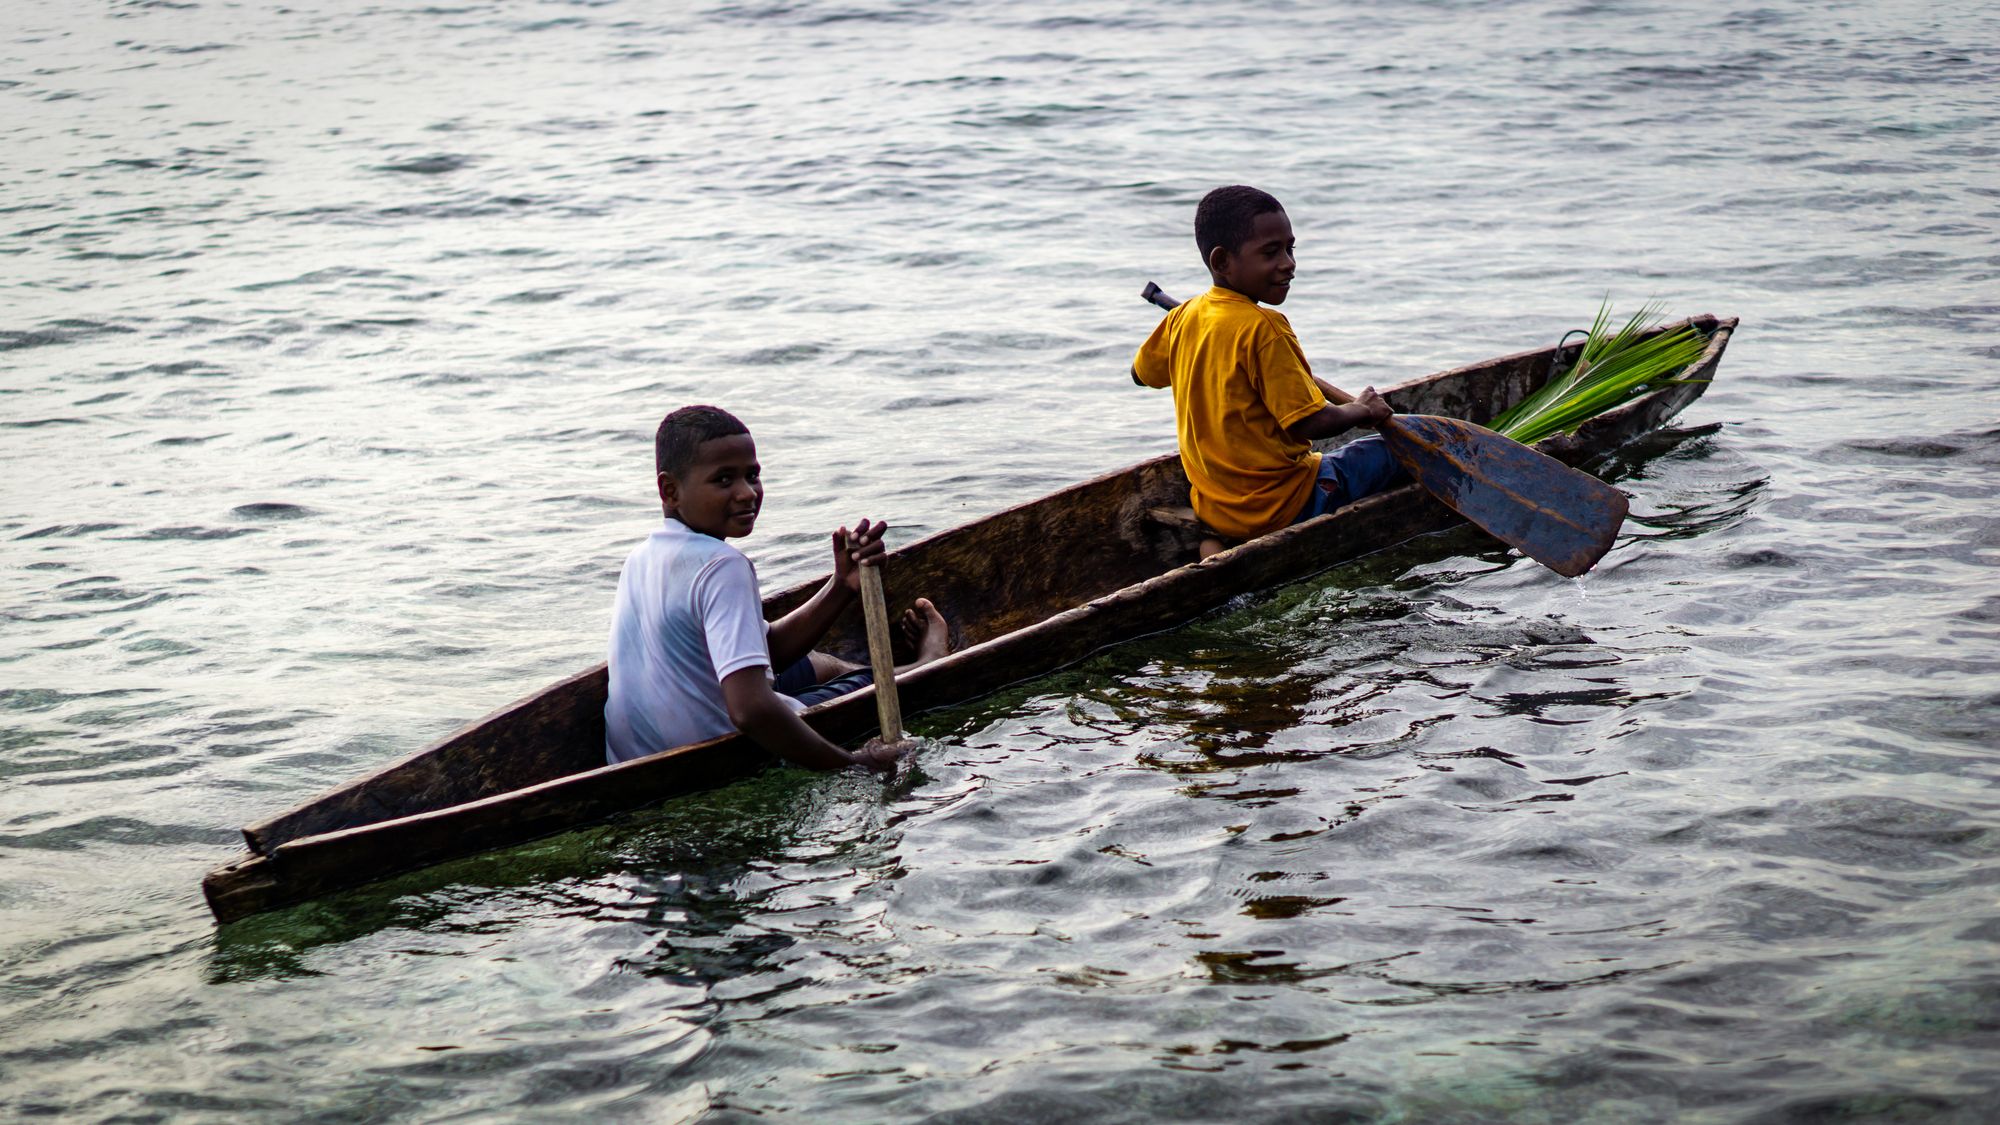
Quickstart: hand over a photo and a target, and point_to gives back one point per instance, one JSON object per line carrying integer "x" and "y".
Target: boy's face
{"x": 1260, "y": 269}
{"x": 722, "y": 492}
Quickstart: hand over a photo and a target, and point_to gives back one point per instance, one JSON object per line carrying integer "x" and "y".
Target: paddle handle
{"x": 875, "y": 612}
{"x": 1152, "y": 292}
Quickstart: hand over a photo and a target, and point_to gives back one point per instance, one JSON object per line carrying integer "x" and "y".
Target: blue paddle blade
{"x": 1561, "y": 517}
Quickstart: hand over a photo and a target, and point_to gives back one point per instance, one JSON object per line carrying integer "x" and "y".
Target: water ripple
{"x": 1432, "y": 836}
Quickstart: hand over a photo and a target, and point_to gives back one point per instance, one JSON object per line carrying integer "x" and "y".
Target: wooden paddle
{"x": 1561, "y": 517}
{"x": 875, "y": 612}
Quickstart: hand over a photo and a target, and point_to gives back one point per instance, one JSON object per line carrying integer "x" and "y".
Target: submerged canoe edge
{"x": 535, "y": 766}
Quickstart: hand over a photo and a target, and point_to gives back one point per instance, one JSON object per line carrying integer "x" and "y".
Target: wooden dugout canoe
{"x": 537, "y": 766}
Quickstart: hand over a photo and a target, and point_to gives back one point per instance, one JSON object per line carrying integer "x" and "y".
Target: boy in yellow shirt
{"x": 1246, "y": 405}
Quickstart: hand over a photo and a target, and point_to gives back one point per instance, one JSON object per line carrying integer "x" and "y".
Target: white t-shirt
{"x": 688, "y": 614}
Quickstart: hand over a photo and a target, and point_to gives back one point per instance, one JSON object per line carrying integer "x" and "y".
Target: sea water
{"x": 332, "y": 337}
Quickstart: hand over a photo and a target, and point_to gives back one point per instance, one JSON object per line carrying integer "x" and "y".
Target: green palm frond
{"x": 1613, "y": 368}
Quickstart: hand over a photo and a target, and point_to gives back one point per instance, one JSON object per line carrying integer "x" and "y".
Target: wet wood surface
{"x": 1560, "y": 517}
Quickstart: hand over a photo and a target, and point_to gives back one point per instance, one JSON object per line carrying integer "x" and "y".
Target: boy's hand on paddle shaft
{"x": 879, "y": 755}
{"x": 1378, "y": 407}
{"x": 855, "y": 549}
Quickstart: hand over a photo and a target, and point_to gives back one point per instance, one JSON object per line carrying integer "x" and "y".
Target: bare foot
{"x": 1212, "y": 546}
{"x": 925, "y": 630}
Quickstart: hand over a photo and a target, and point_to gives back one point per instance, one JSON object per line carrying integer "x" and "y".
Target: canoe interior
{"x": 990, "y": 578}
{"x": 1032, "y": 561}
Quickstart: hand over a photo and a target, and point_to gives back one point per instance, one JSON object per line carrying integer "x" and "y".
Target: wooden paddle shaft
{"x": 875, "y": 611}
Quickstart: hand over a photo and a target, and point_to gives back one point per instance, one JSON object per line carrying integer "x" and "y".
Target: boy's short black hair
{"x": 1226, "y": 215}
{"x": 681, "y": 433}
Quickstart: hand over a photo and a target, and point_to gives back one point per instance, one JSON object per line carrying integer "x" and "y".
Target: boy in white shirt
{"x": 691, "y": 656}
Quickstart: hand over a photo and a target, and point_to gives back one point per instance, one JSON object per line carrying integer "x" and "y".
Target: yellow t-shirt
{"x": 1239, "y": 379}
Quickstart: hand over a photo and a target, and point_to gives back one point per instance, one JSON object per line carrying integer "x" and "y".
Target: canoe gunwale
{"x": 286, "y": 865}
{"x": 266, "y": 836}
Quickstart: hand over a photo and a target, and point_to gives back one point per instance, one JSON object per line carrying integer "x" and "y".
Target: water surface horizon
{"x": 333, "y": 340}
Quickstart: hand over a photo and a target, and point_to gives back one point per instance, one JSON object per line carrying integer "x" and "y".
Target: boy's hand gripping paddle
{"x": 1560, "y": 517}
{"x": 875, "y": 613}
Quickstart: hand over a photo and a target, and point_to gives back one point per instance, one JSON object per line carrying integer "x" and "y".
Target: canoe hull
{"x": 536, "y": 766}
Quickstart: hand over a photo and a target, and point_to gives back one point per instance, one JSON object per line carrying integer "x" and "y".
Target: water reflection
{"x": 695, "y": 866}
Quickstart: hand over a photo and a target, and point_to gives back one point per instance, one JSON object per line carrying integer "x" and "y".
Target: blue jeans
{"x": 801, "y": 683}
{"x": 1362, "y": 467}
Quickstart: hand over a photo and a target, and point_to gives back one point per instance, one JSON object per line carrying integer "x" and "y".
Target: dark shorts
{"x": 799, "y": 682}
{"x": 1362, "y": 467}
